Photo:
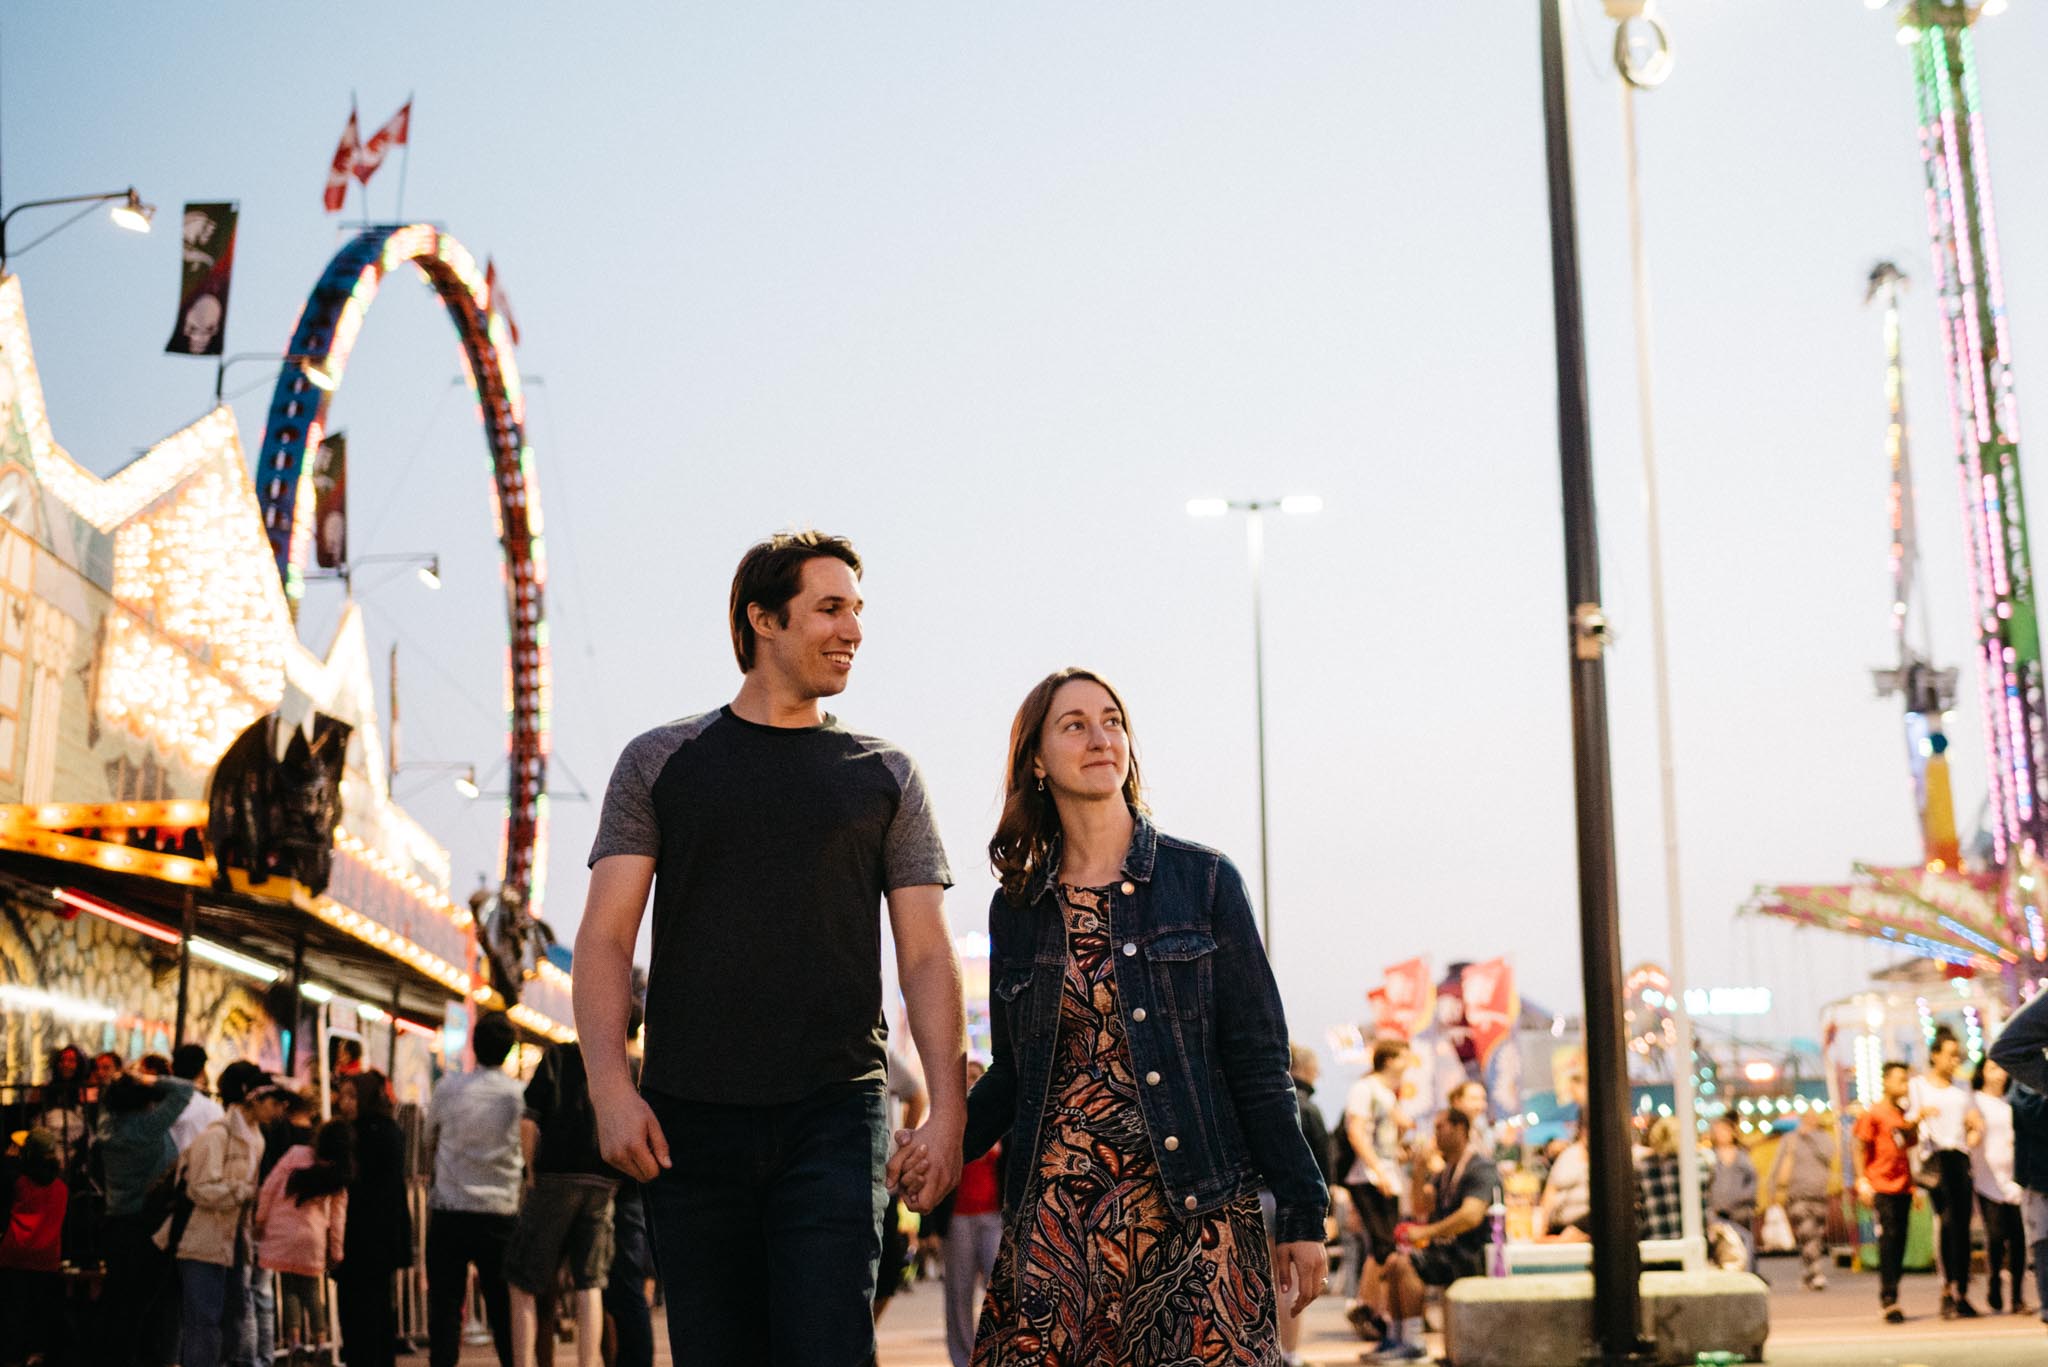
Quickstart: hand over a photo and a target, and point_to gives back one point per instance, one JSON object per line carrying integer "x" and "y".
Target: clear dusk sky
{"x": 995, "y": 289}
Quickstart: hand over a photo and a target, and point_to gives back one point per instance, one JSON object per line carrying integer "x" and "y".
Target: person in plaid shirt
{"x": 1658, "y": 1205}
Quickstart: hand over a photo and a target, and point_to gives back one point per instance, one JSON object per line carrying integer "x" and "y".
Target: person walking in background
{"x": 566, "y": 1215}
{"x": 1799, "y": 1181}
{"x": 1139, "y": 1071}
{"x": 973, "y": 1234}
{"x": 216, "y": 1250}
{"x": 1304, "y": 1069}
{"x": 1376, "y": 1128}
{"x": 2022, "y": 1050}
{"x": 1731, "y": 1189}
{"x": 777, "y": 834}
{"x": 301, "y": 1228}
{"x": 133, "y": 1136}
{"x": 477, "y": 1162}
{"x": 32, "y": 1250}
{"x": 1998, "y": 1194}
{"x": 625, "y": 1285}
{"x": 1885, "y": 1134}
{"x": 378, "y": 1240}
{"x": 1940, "y": 1106}
{"x": 188, "y": 1061}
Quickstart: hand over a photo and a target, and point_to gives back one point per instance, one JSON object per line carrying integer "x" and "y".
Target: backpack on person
{"x": 167, "y": 1206}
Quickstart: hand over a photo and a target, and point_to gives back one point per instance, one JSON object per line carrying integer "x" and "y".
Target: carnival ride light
{"x": 20, "y": 998}
{"x": 1760, "y": 1070}
{"x": 228, "y": 958}
{"x": 105, "y": 912}
{"x": 314, "y": 992}
{"x": 367, "y": 1012}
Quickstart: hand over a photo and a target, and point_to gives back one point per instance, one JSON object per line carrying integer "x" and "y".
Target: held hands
{"x": 628, "y": 1135}
{"x": 926, "y": 1164}
{"x": 1301, "y": 1270}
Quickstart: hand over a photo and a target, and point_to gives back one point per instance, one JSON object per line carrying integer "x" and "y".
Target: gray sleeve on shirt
{"x": 627, "y": 823}
{"x": 911, "y": 853}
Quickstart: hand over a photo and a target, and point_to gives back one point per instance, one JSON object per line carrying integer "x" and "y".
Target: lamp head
{"x": 131, "y": 213}
{"x": 430, "y": 575}
{"x": 465, "y": 783}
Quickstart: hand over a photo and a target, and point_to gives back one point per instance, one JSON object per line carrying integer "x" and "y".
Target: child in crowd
{"x": 31, "y": 1248}
{"x": 301, "y": 1219}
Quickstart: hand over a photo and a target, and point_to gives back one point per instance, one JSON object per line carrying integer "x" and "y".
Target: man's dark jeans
{"x": 767, "y": 1228}
{"x": 1894, "y": 1211}
{"x": 1954, "y": 1204}
{"x": 456, "y": 1239}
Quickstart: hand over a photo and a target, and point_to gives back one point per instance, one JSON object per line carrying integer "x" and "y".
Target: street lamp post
{"x": 129, "y": 212}
{"x": 1254, "y": 510}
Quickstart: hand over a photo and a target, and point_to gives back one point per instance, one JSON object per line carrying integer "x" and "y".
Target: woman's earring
{"x": 1041, "y": 783}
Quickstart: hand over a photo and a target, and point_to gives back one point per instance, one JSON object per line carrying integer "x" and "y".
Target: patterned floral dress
{"x": 1112, "y": 1275}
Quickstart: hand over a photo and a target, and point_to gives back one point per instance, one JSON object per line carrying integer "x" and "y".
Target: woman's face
{"x": 1994, "y": 1078}
{"x": 1083, "y": 750}
{"x": 345, "y": 1100}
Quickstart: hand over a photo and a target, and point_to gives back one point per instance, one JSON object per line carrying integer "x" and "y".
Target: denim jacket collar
{"x": 1137, "y": 865}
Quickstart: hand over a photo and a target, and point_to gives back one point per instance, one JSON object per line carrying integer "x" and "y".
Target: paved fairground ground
{"x": 1808, "y": 1329}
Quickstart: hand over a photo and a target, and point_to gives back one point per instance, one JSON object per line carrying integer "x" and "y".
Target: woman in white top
{"x": 1949, "y": 1126}
{"x": 1998, "y": 1195}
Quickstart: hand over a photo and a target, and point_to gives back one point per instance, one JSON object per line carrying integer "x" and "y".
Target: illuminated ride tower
{"x": 1928, "y": 693}
{"x": 1977, "y": 350}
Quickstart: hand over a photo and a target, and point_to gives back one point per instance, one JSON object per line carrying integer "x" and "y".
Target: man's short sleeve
{"x": 911, "y": 853}
{"x": 627, "y": 824}
{"x": 541, "y": 1090}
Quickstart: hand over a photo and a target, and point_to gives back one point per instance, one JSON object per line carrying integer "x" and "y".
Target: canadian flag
{"x": 344, "y": 162}
{"x": 392, "y": 134}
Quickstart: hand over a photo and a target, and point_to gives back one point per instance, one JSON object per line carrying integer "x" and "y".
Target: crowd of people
{"x": 147, "y": 1217}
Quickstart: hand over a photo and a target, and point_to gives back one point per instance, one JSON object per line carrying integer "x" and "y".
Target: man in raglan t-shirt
{"x": 770, "y": 835}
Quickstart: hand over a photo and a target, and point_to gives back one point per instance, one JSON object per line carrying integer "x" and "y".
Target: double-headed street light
{"x": 129, "y": 212}
{"x": 1254, "y": 510}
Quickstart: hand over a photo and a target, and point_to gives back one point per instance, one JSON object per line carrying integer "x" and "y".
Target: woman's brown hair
{"x": 1030, "y": 823}
{"x": 373, "y": 1094}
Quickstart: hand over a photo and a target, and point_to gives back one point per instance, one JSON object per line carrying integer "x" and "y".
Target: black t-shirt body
{"x": 773, "y": 847}
{"x": 558, "y": 1102}
{"x": 1479, "y": 1178}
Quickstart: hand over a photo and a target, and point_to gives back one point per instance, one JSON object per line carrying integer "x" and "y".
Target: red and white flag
{"x": 344, "y": 162}
{"x": 394, "y": 133}
{"x": 495, "y": 300}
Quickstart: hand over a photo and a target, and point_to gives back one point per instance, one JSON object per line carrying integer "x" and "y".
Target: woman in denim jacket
{"x": 1140, "y": 1072}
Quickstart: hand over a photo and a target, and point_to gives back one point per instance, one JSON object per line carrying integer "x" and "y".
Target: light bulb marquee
{"x": 325, "y": 335}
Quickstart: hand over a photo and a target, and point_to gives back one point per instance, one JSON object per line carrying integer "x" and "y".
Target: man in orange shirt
{"x": 1884, "y": 1180}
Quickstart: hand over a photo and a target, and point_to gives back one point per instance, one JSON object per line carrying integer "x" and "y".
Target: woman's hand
{"x": 1301, "y": 1270}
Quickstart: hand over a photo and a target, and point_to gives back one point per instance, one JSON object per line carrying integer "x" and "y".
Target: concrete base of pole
{"x": 1547, "y": 1319}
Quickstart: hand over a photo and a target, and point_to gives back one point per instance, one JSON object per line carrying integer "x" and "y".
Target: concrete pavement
{"x": 1838, "y": 1327}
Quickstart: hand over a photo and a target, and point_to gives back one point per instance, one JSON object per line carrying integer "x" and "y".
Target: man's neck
{"x": 1096, "y": 835}
{"x": 767, "y": 701}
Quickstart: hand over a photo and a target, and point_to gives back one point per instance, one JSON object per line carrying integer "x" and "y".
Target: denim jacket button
{"x": 1190, "y": 1203}
{"x": 1138, "y": 1014}
{"x": 1172, "y": 1140}
{"x": 1130, "y": 949}
{"x": 1129, "y": 888}
{"x": 1151, "y": 1079}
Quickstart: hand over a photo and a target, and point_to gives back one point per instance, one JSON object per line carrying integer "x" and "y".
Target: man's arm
{"x": 529, "y": 1144}
{"x": 627, "y": 1134}
{"x": 928, "y": 971}
{"x": 1469, "y": 1215}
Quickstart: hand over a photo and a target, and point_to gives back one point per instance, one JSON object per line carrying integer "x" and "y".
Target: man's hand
{"x": 926, "y": 1164}
{"x": 1301, "y": 1270}
{"x": 1866, "y": 1193}
{"x": 628, "y": 1135}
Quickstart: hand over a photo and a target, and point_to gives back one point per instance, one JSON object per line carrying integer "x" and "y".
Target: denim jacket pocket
{"x": 1182, "y": 964}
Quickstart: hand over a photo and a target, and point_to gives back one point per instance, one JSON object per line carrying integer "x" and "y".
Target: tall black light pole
{"x": 1617, "y": 1263}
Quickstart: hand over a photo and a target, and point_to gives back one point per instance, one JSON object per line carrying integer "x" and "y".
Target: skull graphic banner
{"x": 209, "y": 261}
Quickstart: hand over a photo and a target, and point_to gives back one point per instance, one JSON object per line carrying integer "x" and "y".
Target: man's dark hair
{"x": 1942, "y": 1035}
{"x": 1385, "y": 1051}
{"x": 188, "y": 1061}
{"x": 493, "y": 1038}
{"x": 1890, "y": 1064}
{"x": 1455, "y": 1118}
{"x": 770, "y": 573}
{"x": 156, "y": 1065}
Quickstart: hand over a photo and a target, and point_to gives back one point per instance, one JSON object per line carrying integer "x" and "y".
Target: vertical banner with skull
{"x": 330, "y": 502}
{"x": 209, "y": 231}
